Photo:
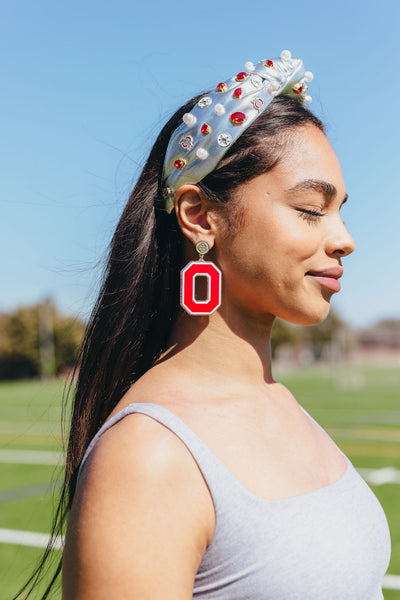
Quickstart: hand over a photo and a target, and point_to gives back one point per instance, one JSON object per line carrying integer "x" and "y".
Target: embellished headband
{"x": 220, "y": 117}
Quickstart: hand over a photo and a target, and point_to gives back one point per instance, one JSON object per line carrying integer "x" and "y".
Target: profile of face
{"x": 285, "y": 259}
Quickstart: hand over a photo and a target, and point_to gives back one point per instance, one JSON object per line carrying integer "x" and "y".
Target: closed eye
{"x": 311, "y": 216}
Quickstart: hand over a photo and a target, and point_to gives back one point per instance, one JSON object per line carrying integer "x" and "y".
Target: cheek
{"x": 264, "y": 264}
{"x": 250, "y": 265}
{"x": 278, "y": 240}
{"x": 290, "y": 233}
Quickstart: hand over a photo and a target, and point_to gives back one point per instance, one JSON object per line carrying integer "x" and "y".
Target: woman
{"x": 207, "y": 479}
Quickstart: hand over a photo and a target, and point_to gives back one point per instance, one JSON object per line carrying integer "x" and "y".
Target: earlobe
{"x": 193, "y": 214}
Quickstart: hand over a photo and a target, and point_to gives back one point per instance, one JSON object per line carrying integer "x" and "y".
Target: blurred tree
{"x": 321, "y": 340}
{"x": 68, "y": 335}
{"x": 46, "y": 313}
{"x": 19, "y": 344}
{"x": 283, "y": 334}
{"x": 319, "y": 337}
{"x": 37, "y": 340}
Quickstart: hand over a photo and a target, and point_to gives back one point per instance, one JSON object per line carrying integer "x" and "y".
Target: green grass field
{"x": 359, "y": 407}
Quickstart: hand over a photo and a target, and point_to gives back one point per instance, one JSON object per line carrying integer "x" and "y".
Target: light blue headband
{"x": 218, "y": 119}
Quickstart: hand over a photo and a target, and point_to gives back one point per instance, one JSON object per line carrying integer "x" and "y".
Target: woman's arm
{"x": 141, "y": 519}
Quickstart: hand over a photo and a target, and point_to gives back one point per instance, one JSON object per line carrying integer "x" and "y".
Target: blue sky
{"x": 85, "y": 87}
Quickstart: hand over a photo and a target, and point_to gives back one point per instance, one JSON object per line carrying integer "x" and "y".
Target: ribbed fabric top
{"x": 332, "y": 543}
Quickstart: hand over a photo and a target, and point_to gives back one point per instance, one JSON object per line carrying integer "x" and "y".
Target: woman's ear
{"x": 194, "y": 214}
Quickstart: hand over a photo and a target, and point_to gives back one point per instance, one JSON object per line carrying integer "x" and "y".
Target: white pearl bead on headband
{"x": 221, "y": 116}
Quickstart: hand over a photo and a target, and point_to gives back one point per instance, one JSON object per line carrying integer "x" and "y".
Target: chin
{"x": 311, "y": 315}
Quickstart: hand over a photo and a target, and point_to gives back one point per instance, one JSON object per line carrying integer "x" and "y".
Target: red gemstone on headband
{"x": 298, "y": 88}
{"x": 222, "y": 87}
{"x": 241, "y": 76}
{"x": 237, "y": 93}
{"x": 205, "y": 129}
{"x": 179, "y": 164}
{"x": 269, "y": 63}
{"x": 237, "y": 118}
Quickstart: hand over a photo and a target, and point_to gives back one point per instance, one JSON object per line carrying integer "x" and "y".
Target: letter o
{"x": 188, "y": 277}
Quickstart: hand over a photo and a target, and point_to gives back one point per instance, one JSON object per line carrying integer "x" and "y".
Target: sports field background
{"x": 358, "y": 406}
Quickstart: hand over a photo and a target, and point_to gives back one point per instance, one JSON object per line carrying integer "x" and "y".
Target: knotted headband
{"x": 221, "y": 116}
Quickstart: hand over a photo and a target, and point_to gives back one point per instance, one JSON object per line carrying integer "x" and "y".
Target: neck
{"x": 223, "y": 346}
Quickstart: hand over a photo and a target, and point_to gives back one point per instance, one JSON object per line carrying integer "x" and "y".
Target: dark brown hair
{"x": 129, "y": 326}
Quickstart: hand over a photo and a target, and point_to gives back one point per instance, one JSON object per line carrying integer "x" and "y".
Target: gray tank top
{"x": 332, "y": 543}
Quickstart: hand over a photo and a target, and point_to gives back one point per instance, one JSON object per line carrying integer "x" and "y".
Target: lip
{"x": 328, "y": 278}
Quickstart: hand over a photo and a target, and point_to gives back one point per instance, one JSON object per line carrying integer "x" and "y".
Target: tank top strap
{"x": 319, "y": 426}
{"x": 215, "y": 474}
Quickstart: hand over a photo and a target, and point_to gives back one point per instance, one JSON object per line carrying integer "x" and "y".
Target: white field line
{"x": 40, "y": 540}
{"x": 30, "y": 457}
{"x": 380, "y": 476}
{"x": 391, "y": 582}
{"x": 48, "y": 457}
{"x": 28, "y": 538}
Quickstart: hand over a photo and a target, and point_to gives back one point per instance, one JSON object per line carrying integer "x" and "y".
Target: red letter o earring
{"x": 189, "y": 273}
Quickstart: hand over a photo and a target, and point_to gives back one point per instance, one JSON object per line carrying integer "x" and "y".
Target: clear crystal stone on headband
{"x": 256, "y": 80}
{"x": 204, "y": 102}
{"x": 224, "y": 139}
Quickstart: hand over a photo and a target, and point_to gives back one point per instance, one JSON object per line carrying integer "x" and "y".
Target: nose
{"x": 339, "y": 241}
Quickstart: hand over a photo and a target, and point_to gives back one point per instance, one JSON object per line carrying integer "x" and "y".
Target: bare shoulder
{"x": 138, "y": 484}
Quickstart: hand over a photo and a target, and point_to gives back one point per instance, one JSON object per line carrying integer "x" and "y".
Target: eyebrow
{"x": 316, "y": 185}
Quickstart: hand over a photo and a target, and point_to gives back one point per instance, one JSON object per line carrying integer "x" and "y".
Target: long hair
{"x": 130, "y": 323}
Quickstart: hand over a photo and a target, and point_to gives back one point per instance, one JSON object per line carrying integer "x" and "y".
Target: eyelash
{"x": 311, "y": 216}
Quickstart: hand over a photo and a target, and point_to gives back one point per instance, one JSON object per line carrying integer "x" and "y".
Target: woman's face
{"x": 285, "y": 260}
